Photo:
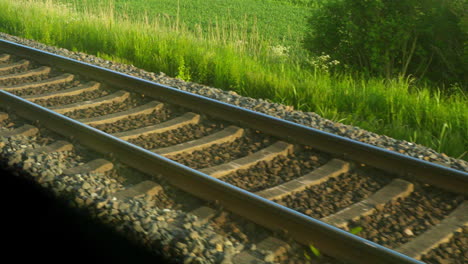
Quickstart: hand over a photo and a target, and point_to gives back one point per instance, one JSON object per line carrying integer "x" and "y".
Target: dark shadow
{"x": 35, "y": 226}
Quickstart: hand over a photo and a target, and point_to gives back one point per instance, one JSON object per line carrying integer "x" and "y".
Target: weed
{"x": 183, "y": 72}
{"x": 315, "y": 252}
{"x": 355, "y": 230}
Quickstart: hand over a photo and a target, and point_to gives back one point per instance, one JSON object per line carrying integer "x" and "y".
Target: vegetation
{"x": 425, "y": 38}
{"x": 316, "y": 252}
{"x": 282, "y": 21}
{"x": 243, "y": 59}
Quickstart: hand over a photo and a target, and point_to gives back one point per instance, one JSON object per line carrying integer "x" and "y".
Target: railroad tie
{"x": 32, "y": 73}
{"x": 94, "y": 166}
{"x": 116, "y": 97}
{"x": 64, "y": 78}
{"x": 273, "y": 244}
{"x": 58, "y": 146}
{"x": 204, "y": 214}
{"x": 178, "y": 122}
{"x": 226, "y": 135}
{"x": 4, "y": 57}
{"x": 266, "y": 154}
{"x": 398, "y": 188}
{"x": 3, "y": 116}
{"x": 25, "y": 130}
{"x": 277, "y": 246}
{"x": 143, "y": 188}
{"x": 438, "y": 234}
{"x": 111, "y": 118}
{"x": 12, "y": 66}
{"x": 331, "y": 169}
{"x": 82, "y": 88}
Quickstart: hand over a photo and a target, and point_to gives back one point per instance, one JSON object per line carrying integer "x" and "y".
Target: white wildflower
{"x": 279, "y": 50}
{"x": 322, "y": 62}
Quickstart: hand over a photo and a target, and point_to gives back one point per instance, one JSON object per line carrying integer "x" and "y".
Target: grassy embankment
{"x": 241, "y": 53}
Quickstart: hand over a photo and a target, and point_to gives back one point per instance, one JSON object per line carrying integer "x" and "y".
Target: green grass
{"x": 281, "y": 21}
{"x": 240, "y": 59}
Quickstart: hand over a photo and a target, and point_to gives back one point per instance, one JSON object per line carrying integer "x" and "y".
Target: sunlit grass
{"x": 241, "y": 59}
{"x": 280, "y": 21}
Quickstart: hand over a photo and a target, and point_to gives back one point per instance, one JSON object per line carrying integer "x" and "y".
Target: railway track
{"x": 411, "y": 206}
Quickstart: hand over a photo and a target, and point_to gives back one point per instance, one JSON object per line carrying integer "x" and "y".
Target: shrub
{"x": 423, "y": 38}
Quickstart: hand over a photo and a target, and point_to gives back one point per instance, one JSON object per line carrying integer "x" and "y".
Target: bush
{"x": 424, "y": 38}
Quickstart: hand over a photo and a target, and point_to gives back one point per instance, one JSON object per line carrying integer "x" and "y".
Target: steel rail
{"x": 331, "y": 240}
{"x": 392, "y": 162}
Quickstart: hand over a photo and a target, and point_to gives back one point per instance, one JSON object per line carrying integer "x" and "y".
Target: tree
{"x": 424, "y": 38}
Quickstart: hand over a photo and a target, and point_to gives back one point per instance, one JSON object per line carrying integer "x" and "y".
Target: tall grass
{"x": 282, "y": 22}
{"x": 244, "y": 62}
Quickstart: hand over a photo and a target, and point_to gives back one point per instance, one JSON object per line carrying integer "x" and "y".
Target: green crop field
{"x": 252, "y": 47}
{"x": 278, "y": 21}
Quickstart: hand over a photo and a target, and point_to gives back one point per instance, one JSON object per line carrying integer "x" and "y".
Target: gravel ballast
{"x": 106, "y": 109}
{"x": 158, "y": 223}
{"x": 138, "y": 121}
{"x": 45, "y": 88}
{"x": 64, "y": 100}
{"x": 223, "y": 153}
{"x": 171, "y": 233}
{"x": 264, "y": 175}
{"x": 16, "y": 69}
{"x": 453, "y": 252}
{"x": 399, "y": 221}
{"x": 15, "y": 81}
{"x": 335, "y": 194}
{"x": 177, "y": 136}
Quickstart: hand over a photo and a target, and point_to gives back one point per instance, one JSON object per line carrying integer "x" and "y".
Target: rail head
{"x": 392, "y": 162}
